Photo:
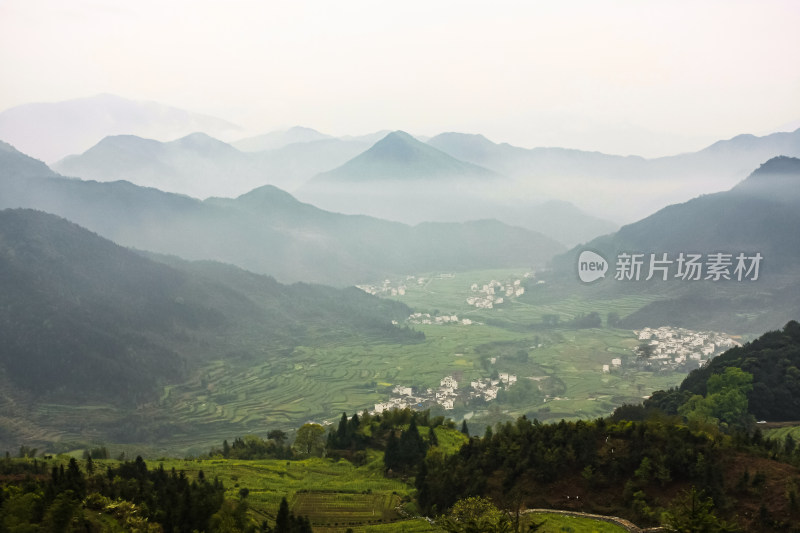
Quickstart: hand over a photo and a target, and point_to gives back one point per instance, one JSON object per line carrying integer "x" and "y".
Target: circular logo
{"x": 591, "y": 266}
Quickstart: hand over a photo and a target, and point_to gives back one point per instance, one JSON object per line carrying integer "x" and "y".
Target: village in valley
{"x": 495, "y": 293}
{"x": 390, "y": 288}
{"x": 660, "y": 349}
{"x": 428, "y": 319}
{"x": 663, "y": 349}
{"x": 668, "y": 348}
{"x": 446, "y": 395}
{"x": 482, "y": 296}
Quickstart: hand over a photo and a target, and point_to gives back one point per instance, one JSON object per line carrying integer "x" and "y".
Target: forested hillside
{"x": 83, "y": 319}
{"x": 774, "y": 362}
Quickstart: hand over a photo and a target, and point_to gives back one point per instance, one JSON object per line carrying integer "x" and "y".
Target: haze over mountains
{"x": 399, "y": 157}
{"x": 52, "y": 131}
{"x": 267, "y": 230}
{"x": 279, "y": 139}
{"x": 452, "y": 178}
{"x": 570, "y": 195}
{"x": 85, "y": 321}
{"x": 760, "y": 215}
{"x": 201, "y": 166}
{"x": 83, "y": 308}
{"x": 398, "y": 178}
{"x": 592, "y": 180}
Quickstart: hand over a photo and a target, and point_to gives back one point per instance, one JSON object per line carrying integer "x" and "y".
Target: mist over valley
{"x": 440, "y": 267}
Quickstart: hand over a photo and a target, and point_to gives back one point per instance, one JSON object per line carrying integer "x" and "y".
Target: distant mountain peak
{"x": 779, "y": 165}
{"x": 122, "y": 140}
{"x": 476, "y": 138}
{"x": 399, "y": 134}
{"x": 776, "y": 179}
{"x": 397, "y": 144}
{"x": 304, "y": 129}
{"x": 52, "y": 131}
{"x": 400, "y": 156}
{"x": 197, "y": 136}
{"x": 15, "y": 163}
{"x": 278, "y": 139}
{"x": 202, "y": 142}
{"x": 267, "y": 195}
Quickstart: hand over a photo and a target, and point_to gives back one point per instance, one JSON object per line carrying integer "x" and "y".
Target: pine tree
{"x": 412, "y": 446}
{"x": 352, "y": 430}
{"x": 390, "y": 456}
{"x": 423, "y": 493}
{"x": 226, "y": 448}
{"x": 433, "y": 440}
{"x": 341, "y": 433}
{"x": 283, "y": 522}
{"x": 691, "y": 510}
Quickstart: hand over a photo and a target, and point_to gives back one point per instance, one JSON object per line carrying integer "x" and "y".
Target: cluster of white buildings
{"x": 446, "y": 395}
{"x": 439, "y": 320}
{"x": 615, "y": 363}
{"x": 404, "y": 397}
{"x": 399, "y": 288}
{"x": 672, "y": 348}
{"x": 494, "y": 293}
{"x": 387, "y": 288}
{"x": 487, "y": 388}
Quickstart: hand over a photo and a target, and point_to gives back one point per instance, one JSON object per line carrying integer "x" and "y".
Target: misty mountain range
{"x": 105, "y": 310}
{"x": 453, "y": 177}
{"x": 400, "y": 178}
{"x": 201, "y": 166}
{"x": 760, "y": 215}
{"x": 593, "y": 180}
{"x": 267, "y": 230}
{"x": 323, "y": 170}
{"x": 52, "y": 131}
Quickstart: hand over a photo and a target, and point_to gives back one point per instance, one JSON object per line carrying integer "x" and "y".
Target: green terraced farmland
{"x": 335, "y": 509}
{"x": 334, "y": 495}
{"x": 780, "y": 434}
{"x": 563, "y": 366}
{"x": 559, "y": 374}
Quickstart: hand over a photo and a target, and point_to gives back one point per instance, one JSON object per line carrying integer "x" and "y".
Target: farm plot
{"x": 337, "y": 509}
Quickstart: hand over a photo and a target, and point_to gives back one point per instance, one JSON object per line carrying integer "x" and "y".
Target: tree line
{"x": 36, "y": 496}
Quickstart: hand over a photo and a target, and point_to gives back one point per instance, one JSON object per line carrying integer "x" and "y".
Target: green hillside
{"x": 774, "y": 361}
{"x": 86, "y": 322}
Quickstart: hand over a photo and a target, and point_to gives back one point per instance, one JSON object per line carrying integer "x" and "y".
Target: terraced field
{"x": 560, "y": 374}
{"x": 334, "y": 495}
{"x": 343, "y": 509}
{"x": 319, "y": 383}
{"x": 779, "y": 434}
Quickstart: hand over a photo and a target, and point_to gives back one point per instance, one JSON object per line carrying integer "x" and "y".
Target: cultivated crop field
{"x": 334, "y": 495}
{"x": 779, "y": 434}
{"x": 318, "y": 383}
{"x": 559, "y": 370}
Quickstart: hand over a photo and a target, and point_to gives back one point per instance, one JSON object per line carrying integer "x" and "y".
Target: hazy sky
{"x": 650, "y": 78}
